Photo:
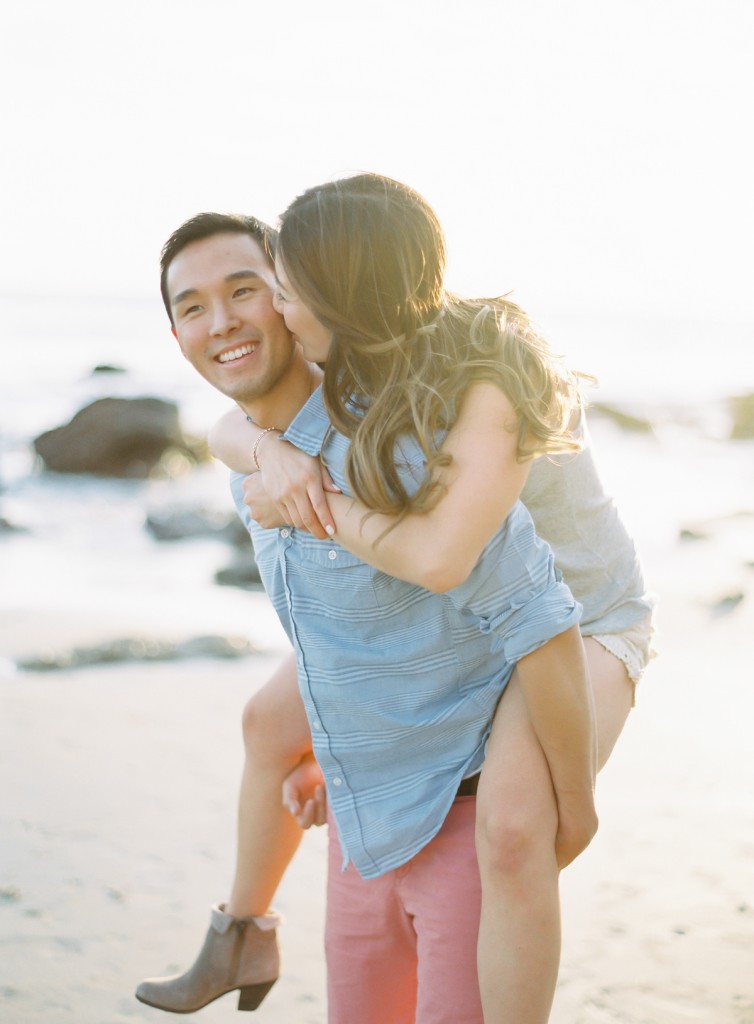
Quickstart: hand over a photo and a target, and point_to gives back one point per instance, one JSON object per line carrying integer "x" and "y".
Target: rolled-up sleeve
{"x": 515, "y": 593}
{"x": 522, "y": 627}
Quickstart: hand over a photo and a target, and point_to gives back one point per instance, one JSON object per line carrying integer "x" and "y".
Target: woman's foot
{"x": 238, "y": 953}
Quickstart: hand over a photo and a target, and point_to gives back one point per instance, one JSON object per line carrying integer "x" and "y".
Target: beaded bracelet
{"x": 255, "y": 449}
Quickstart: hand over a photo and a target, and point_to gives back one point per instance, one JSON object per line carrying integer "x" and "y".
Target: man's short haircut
{"x": 206, "y": 225}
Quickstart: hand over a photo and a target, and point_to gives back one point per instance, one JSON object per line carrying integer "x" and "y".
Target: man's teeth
{"x": 244, "y": 350}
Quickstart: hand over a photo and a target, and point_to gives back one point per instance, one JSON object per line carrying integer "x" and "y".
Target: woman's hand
{"x": 295, "y": 484}
{"x": 438, "y": 549}
{"x": 577, "y": 826}
{"x": 304, "y": 793}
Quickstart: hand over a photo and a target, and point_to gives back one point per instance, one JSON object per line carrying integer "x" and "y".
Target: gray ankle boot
{"x": 238, "y": 953}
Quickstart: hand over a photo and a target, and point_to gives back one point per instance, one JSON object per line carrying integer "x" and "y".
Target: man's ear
{"x": 175, "y": 335}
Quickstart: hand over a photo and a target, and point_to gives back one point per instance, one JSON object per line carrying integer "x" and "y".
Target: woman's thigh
{"x": 613, "y": 696}
{"x": 274, "y": 719}
{"x": 515, "y": 796}
{"x": 516, "y": 808}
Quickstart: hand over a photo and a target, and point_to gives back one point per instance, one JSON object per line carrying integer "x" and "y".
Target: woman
{"x": 388, "y": 344}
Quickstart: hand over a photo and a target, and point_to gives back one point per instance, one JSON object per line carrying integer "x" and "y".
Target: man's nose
{"x": 224, "y": 321}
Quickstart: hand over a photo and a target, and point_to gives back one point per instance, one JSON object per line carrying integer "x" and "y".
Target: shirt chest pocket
{"x": 324, "y": 574}
{"x": 324, "y": 555}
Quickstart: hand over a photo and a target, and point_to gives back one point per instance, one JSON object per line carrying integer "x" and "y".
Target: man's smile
{"x": 236, "y": 353}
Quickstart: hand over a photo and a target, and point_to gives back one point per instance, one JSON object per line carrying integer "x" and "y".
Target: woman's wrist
{"x": 260, "y": 437}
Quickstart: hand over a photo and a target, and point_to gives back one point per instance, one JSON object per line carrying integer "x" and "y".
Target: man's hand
{"x": 296, "y": 484}
{"x": 263, "y": 510}
{"x": 304, "y": 793}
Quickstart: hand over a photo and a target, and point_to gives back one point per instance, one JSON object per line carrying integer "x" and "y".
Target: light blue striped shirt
{"x": 400, "y": 684}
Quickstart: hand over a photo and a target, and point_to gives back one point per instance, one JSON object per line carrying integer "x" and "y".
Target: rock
{"x": 139, "y": 649}
{"x": 6, "y": 526}
{"x": 120, "y": 437}
{"x": 175, "y": 523}
{"x": 727, "y": 604}
{"x": 689, "y": 534}
{"x": 216, "y": 647}
{"x": 623, "y": 419}
{"x": 742, "y": 411}
{"x": 242, "y": 571}
{"x": 107, "y": 368}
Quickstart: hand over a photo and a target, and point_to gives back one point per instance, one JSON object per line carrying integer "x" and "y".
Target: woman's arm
{"x": 438, "y": 549}
{"x": 293, "y": 487}
{"x": 435, "y": 549}
{"x": 556, "y": 686}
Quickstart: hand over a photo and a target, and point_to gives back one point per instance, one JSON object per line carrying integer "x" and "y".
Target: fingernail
{"x": 329, "y": 530}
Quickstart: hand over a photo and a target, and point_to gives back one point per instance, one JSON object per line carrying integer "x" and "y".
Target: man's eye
{"x": 242, "y": 291}
{"x": 191, "y": 309}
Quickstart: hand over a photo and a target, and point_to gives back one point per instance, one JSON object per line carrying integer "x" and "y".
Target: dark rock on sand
{"x": 742, "y": 412}
{"x": 692, "y": 534}
{"x": 108, "y": 368}
{"x": 181, "y": 523}
{"x": 727, "y": 604}
{"x": 623, "y": 419}
{"x": 139, "y": 649}
{"x": 116, "y": 437}
{"x": 241, "y": 572}
{"x": 6, "y": 526}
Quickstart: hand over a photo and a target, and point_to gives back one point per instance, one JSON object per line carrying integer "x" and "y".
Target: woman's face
{"x": 315, "y": 339}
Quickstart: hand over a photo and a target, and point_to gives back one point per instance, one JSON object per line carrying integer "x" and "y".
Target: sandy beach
{"x": 119, "y": 794}
{"x": 119, "y": 790}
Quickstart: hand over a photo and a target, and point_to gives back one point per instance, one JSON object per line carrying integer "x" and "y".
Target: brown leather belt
{"x": 469, "y": 786}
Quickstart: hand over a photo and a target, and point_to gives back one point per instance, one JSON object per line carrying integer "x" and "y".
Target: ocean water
{"x": 83, "y": 544}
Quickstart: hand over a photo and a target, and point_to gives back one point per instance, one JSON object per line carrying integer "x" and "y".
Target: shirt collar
{"x": 310, "y": 425}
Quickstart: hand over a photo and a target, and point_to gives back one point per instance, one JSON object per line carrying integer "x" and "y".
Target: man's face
{"x": 220, "y": 291}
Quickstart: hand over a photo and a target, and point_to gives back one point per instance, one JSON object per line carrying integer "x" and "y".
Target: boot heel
{"x": 250, "y": 996}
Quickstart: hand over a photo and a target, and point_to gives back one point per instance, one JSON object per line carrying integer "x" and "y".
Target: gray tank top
{"x": 592, "y": 547}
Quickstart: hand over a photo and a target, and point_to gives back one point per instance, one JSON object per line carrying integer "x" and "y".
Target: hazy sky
{"x": 590, "y": 154}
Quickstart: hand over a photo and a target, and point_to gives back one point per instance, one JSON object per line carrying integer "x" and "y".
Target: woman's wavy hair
{"x": 367, "y": 255}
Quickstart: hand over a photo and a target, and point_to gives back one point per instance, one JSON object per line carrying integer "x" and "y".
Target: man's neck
{"x": 282, "y": 403}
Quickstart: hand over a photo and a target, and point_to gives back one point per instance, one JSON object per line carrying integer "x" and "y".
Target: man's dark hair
{"x": 205, "y": 225}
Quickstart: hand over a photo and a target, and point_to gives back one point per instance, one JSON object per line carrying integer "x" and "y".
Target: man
{"x": 217, "y": 286}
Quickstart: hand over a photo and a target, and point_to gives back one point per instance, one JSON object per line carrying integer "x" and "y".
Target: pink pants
{"x": 401, "y": 948}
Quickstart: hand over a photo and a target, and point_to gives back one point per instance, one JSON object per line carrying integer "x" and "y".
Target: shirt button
{"x": 316, "y": 725}
{"x": 337, "y": 781}
{"x": 285, "y": 532}
{"x": 332, "y": 554}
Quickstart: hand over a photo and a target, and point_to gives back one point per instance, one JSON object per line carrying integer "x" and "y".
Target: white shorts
{"x": 633, "y": 647}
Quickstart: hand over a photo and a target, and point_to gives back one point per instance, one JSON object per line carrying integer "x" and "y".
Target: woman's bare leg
{"x": 519, "y": 934}
{"x": 276, "y": 737}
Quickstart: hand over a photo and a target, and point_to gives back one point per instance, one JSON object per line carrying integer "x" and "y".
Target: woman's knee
{"x": 254, "y": 723}
{"x": 274, "y": 726}
{"x": 511, "y": 840}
